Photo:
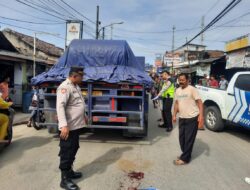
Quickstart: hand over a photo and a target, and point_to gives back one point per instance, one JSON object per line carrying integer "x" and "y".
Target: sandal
{"x": 29, "y": 124}
{"x": 179, "y": 162}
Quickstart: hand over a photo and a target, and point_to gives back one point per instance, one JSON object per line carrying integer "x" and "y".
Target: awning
{"x": 210, "y": 60}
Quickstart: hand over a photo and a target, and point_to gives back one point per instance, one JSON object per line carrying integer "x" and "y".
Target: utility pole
{"x": 173, "y": 50}
{"x": 188, "y": 54}
{"x": 34, "y": 55}
{"x": 103, "y": 33}
{"x": 111, "y": 35}
{"x": 97, "y": 23}
{"x": 202, "y": 27}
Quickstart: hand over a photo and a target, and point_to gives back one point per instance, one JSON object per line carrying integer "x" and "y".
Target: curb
{"x": 20, "y": 123}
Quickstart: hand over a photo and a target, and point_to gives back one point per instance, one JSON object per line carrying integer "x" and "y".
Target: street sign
{"x": 73, "y": 31}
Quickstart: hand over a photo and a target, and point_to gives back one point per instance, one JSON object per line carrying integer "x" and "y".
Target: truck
{"x": 114, "y": 86}
{"x": 230, "y": 106}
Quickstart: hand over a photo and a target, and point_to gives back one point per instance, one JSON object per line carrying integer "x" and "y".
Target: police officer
{"x": 70, "y": 108}
{"x": 167, "y": 94}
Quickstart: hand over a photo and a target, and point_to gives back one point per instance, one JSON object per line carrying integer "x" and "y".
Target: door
{"x": 239, "y": 103}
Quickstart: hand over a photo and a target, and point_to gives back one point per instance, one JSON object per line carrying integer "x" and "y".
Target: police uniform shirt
{"x": 70, "y": 106}
{"x": 165, "y": 86}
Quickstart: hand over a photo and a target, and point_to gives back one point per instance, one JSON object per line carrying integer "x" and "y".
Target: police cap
{"x": 78, "y": 70}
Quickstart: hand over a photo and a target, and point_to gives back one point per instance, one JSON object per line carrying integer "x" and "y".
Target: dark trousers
{"x": 187, "y": 132}
{"x": 167, "y": 114}
{"x": 68, "y": 150}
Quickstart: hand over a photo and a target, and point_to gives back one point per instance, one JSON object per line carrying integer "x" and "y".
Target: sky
{"x": 147, "y": 24}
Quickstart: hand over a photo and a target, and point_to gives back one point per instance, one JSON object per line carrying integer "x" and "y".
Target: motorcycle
{"x": 37, "y": 117}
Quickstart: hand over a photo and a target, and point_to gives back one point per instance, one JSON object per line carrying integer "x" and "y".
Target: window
{"x": 243, "y": 82}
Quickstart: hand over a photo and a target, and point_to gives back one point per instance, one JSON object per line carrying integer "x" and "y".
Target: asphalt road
{"x": 108, "y": 160}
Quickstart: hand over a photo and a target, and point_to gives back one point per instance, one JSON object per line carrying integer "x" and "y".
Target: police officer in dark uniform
{"x": 70, "y": 108}
{"x": 167, "y": 94}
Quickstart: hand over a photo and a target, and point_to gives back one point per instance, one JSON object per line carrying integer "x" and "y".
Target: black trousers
{"x": 68, "y": 150}
{"x": 167, "y": 114}
{"x": 187, "y": 132}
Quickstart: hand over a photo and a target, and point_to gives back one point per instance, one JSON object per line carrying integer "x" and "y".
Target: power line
{"x": 168, "y": 31}
{"x": 89, "y": 27}
{"x": 143, "y": 39}
{"x": 223, "y": 25}
{"x": 53, "y": 9}
{"x": 157, "y": 32}
{"x": 25, "y": 21}
{"x": 19, "y": 1}
{"x": 45, "y": 7}
{"x": 180, "y": 30}
{"x": 236, "y": 26}
{"x": 87, "y": 31}
{"x": 64, "y": 9}
{"x": 24, "y": 13}
{"x": 208, "y": 11}
{"x": 229, "y": 7}
{"x": 230, "y": 21}
{"x": 42, "y": 7}
{"x": 211, "y": 8}
{"x": 28, "y": 29}
{"x": 78, "y": 12}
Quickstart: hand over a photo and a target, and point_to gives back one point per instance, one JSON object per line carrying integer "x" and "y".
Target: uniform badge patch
{"x": 63, "y": 90}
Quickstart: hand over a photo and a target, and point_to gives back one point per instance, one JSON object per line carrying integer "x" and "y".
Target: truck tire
{"x": 213, "y": 119}
{"x": 137, "y": 133}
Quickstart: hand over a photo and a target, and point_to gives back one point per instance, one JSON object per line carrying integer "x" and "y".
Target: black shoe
{"x": 74, "y": 175}
{"x": 161, "y": 126}
{"x": 67, "y": 183}
{"x": 169, "y": 129}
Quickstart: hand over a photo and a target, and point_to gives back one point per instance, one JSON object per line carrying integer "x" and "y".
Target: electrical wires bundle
{"x": 228, "y": 8}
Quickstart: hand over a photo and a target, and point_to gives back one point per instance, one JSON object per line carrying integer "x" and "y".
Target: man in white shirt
{"x": 188, "y": 104}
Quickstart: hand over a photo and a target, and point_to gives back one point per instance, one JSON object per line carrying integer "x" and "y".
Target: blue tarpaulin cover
{"x": 110, "y": 61}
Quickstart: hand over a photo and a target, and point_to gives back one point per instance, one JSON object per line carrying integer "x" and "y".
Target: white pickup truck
{"x": 231, "y": 105}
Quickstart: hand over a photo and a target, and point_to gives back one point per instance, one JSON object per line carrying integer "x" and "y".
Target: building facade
{"x": 17, "y": 61}
{"x": 238, "y": 53}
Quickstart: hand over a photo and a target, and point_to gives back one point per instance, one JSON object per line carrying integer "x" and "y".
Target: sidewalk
{"x": 20, "y": 117}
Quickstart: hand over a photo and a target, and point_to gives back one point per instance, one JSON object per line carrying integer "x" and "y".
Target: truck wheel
{"x": 137, "y": 133}
{"x": 213, "y": 119}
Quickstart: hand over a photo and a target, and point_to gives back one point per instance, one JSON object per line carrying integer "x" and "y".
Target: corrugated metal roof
{"x": 43, "y": 46}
